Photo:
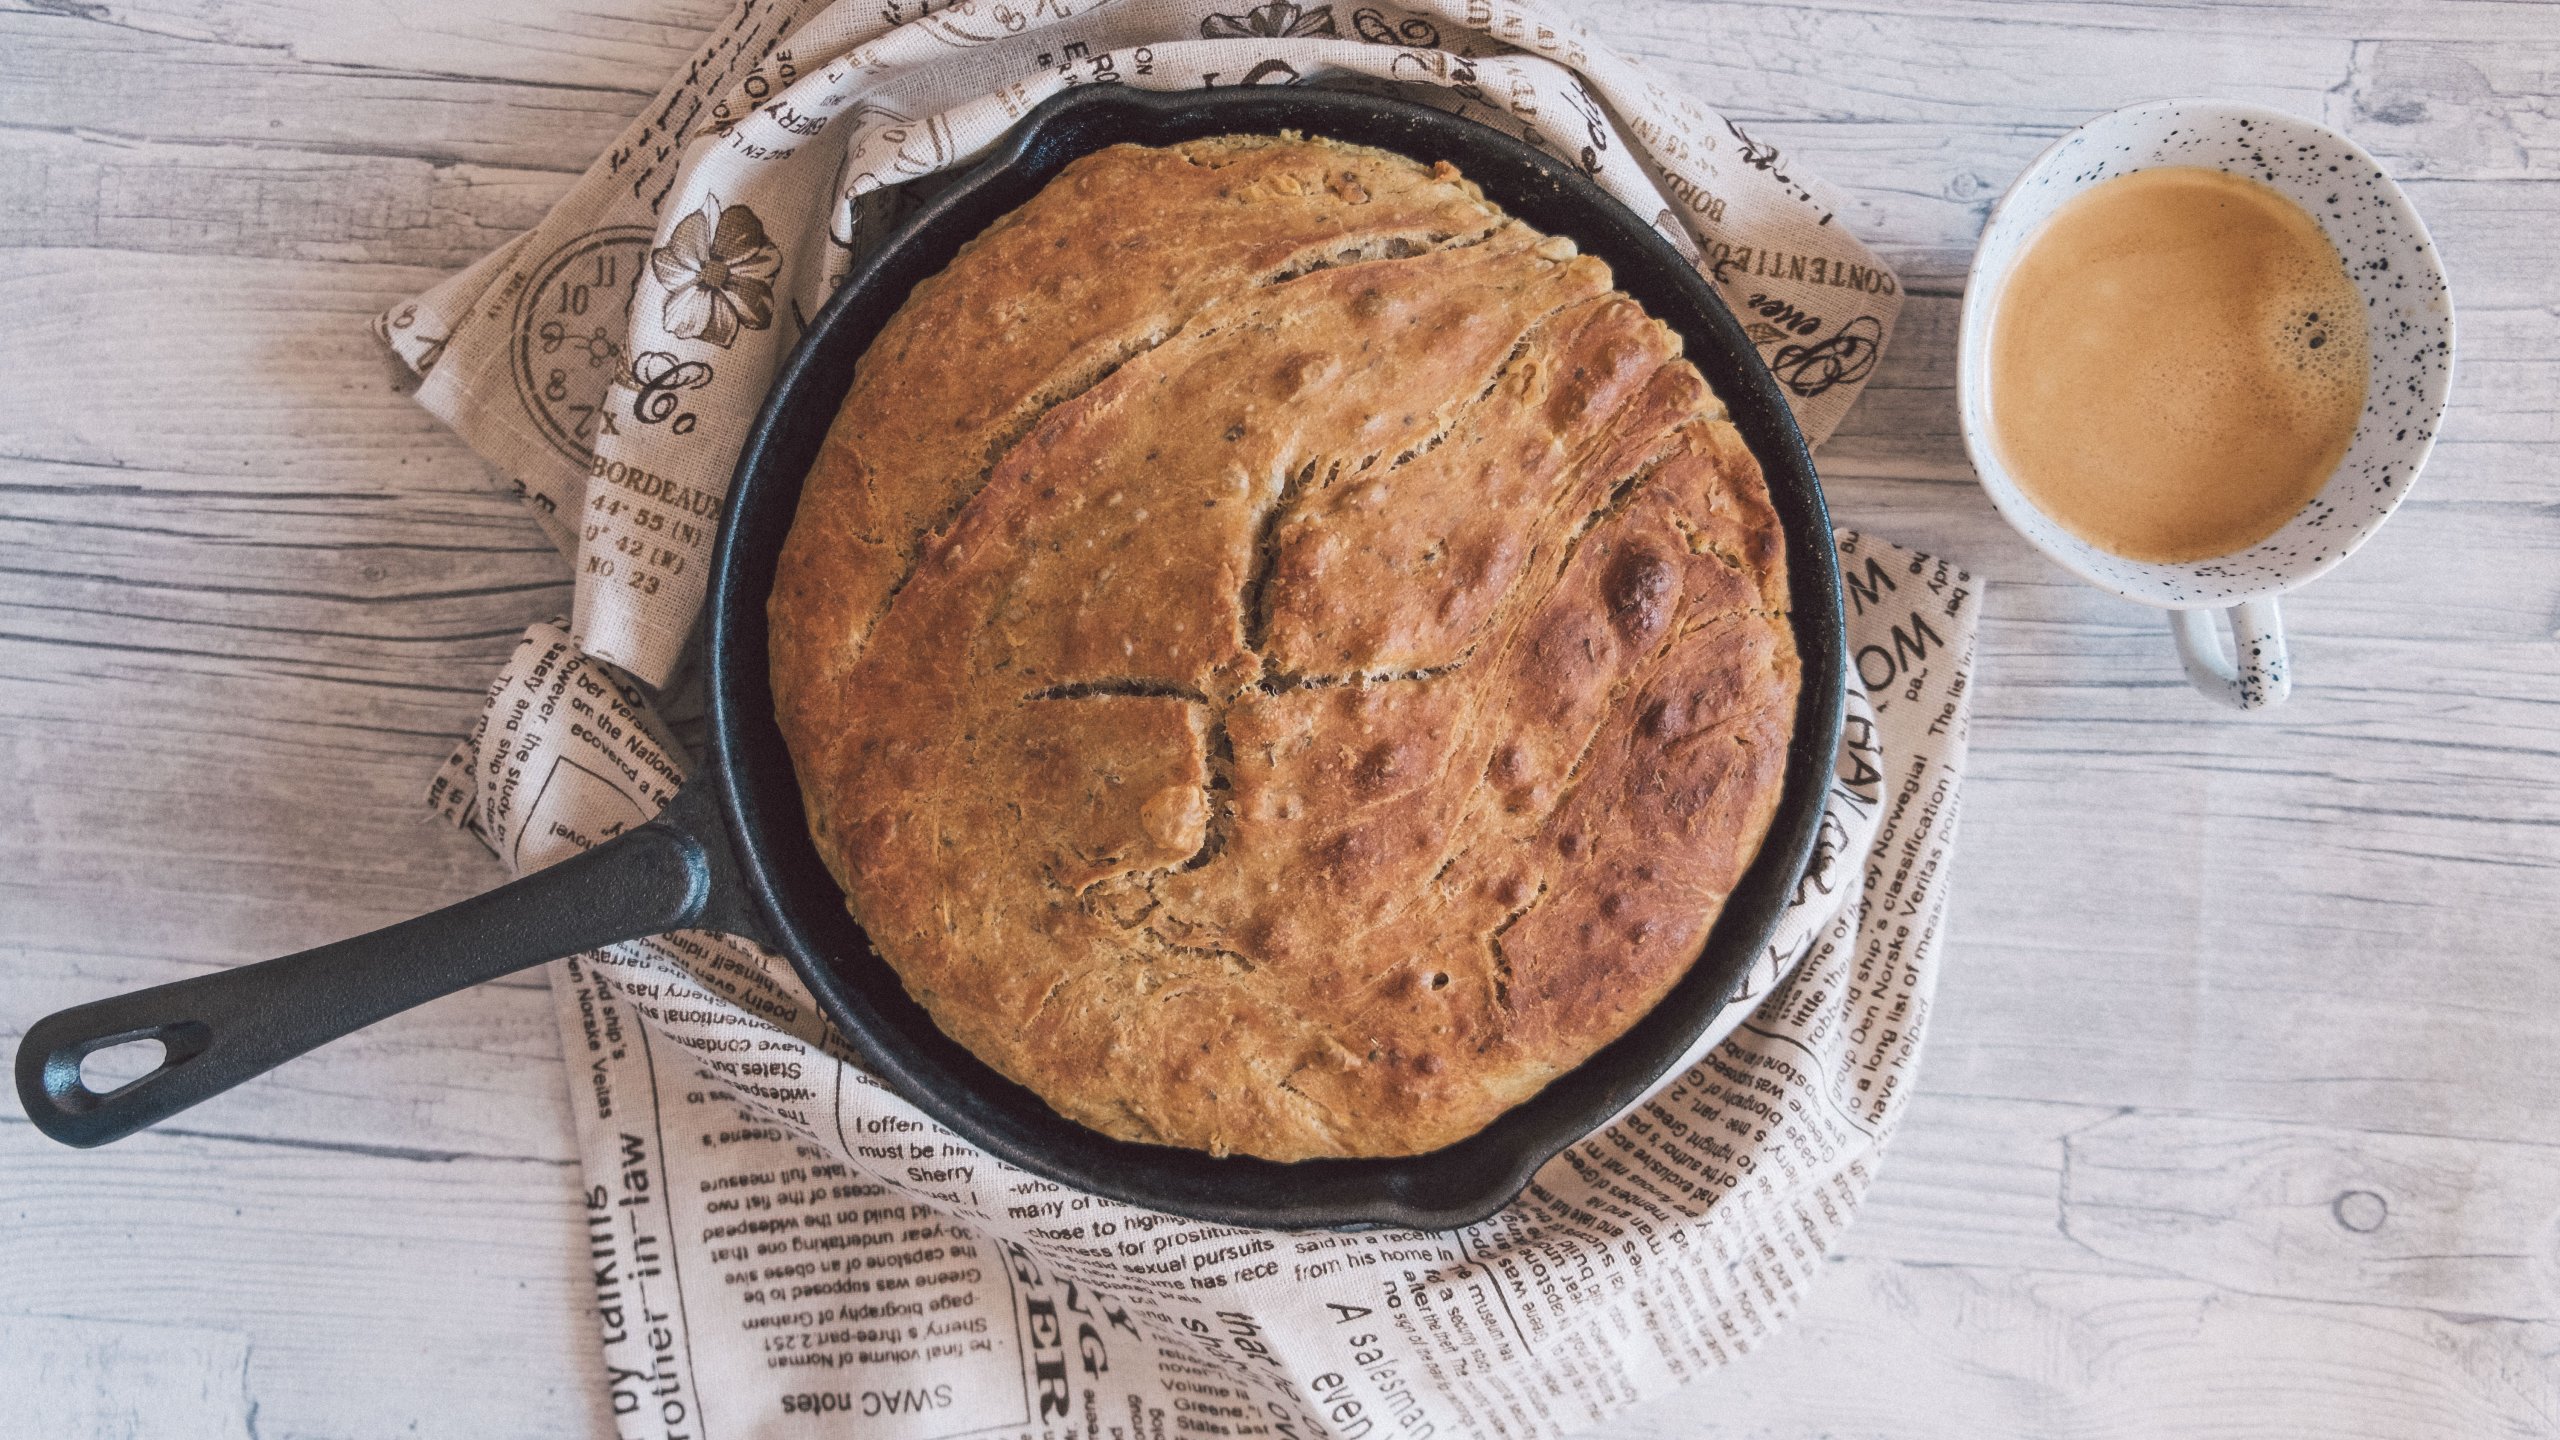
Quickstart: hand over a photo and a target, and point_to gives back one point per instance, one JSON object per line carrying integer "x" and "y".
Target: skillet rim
{"x": 861, "y": 995}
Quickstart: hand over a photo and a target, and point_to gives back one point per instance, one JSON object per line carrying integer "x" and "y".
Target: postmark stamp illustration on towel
{"x": 570, "y": 324}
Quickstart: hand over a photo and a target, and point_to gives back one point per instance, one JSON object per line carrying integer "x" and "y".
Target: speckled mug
{"x": 2409, "y": 324}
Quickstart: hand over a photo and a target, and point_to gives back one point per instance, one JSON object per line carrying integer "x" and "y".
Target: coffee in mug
{"x": 2205, "y": 350}
{"x": 2177, "y": 364}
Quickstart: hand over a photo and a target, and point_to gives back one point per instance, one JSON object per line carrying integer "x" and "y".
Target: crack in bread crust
{"x": 1308, "y": 718}
{"x": 1027, "y": 416}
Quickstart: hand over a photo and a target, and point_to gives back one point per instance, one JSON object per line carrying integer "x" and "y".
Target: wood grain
{"x": 2036, "y": 1269}
{"x": 82, "y": 1377}
{"x": 372, "y": 1289}
{"x": 2238, "y": 1116}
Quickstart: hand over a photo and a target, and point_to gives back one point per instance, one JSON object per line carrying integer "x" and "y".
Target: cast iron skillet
{"x": 732, "y": 851}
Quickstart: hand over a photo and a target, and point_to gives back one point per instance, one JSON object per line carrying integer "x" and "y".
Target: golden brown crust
{"x": 1288, "y": 680}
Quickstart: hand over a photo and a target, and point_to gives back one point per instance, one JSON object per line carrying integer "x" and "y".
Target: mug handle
{"x": 2256, "y": 675}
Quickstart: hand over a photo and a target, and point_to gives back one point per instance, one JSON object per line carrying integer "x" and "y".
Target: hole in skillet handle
{"x": 804, "y": 909}
{"x": 118, "y": 1061}
{"x": 81, "y": 1077}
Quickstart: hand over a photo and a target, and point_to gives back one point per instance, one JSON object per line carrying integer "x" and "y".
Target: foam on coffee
{"x": 2178, "y": 363}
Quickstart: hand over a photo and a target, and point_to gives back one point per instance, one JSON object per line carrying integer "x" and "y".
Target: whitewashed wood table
{"x": 2241, "y": 1113}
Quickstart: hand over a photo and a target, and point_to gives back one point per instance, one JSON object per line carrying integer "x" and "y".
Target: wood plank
{"x": 2311, "y": 917}
{"x": 2028, "y": 1268}
{"x": 636, "y": 46}
{"x": 2062, "y": 24}
{"x": 1963, "y": 1352}
{"x": 1921, "y": 195}
{"x": 375, "y": 1288}
{"x": 1977, "y": 1180}
{"x": 272, "y": 99}
{"x": 259, "y": 354}
{"x": 1817, "y": 67}
{"x": 630, "y": 48}
{"x": 2355, "y": 1217}
{"x": 2428, "y": 102}
{"x": 146, "y": 563}
{"x": 2437, "y": 110}
{"x": 86, "y": 1377}
{"x": 82, "y": 190}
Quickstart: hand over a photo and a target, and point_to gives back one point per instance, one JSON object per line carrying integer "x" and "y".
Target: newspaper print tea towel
{"x": 783, "y": 1247}
{"x": 608, "y": 363}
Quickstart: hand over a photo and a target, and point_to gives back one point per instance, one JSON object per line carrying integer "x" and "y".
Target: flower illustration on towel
{"x": 1279, "y": 20}
{"x": 718, "y": 267}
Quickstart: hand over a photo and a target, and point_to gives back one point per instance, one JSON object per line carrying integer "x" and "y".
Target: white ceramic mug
{"x": 2409, "y": 327}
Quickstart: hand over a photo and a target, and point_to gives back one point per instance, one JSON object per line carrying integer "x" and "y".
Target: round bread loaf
{"x": 1282, "y": 658}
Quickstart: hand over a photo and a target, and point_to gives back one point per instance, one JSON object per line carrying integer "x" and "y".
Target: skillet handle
{"x": 218, "y": 1030}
